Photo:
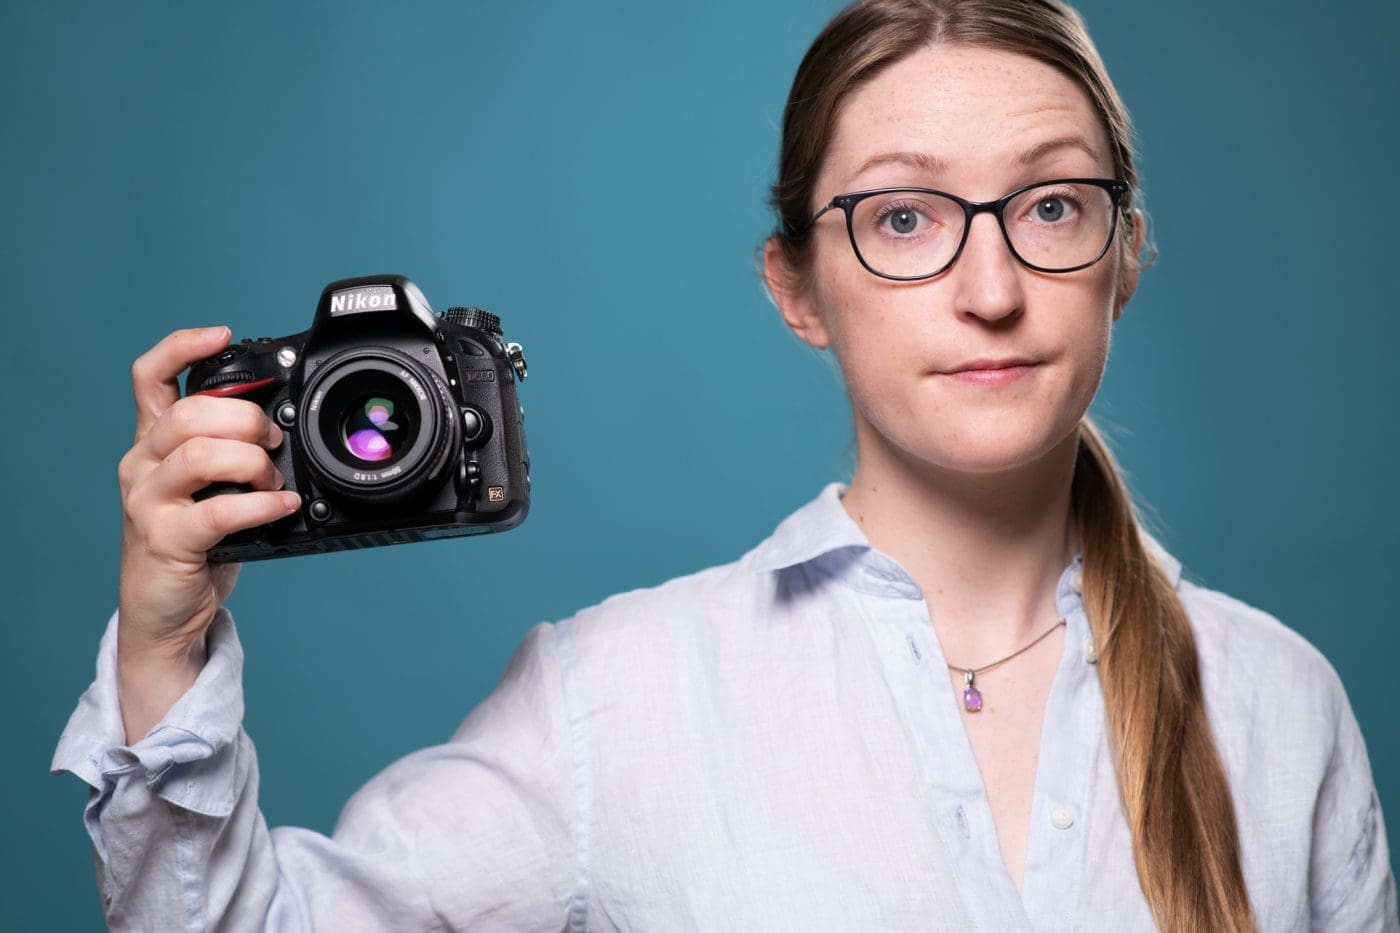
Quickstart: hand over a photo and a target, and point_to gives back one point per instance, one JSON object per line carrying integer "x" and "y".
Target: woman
{"x": 963, "y": 690}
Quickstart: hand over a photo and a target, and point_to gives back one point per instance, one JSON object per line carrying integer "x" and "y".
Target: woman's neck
{"x": 987, "y": 549}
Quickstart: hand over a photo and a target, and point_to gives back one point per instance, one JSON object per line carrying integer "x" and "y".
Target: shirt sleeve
{"x": 1351, "y": 885}
{"x": 480, "y": 832}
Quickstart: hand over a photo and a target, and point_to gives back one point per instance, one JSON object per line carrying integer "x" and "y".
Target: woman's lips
{"x": 992, "y": 377}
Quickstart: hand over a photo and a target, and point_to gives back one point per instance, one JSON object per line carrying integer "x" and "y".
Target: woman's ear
{"x": 1128, "y": 279}
{"x": 792, "y": 296}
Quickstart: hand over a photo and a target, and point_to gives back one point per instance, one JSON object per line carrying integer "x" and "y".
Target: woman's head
{"x": 900, "y": 84}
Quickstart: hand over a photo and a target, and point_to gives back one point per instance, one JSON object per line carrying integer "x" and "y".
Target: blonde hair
{"x": 1173, "y": 786}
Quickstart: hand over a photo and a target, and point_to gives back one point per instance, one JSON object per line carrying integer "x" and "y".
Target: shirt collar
{"x": 817, "y": 528}
{"x": 823, "y": 525}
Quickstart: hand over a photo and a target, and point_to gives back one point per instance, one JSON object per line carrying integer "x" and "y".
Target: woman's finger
{"x": 204, "y": 460}
{"x": 186, "y": 532}
{"x": 204, "y": 416}
{"x": 156, "y": 373}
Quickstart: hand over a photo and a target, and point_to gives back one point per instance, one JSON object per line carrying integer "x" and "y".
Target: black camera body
{"x": 399, "y": 424}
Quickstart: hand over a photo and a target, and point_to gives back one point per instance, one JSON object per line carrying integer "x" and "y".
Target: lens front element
{"x": 370, "y": 431}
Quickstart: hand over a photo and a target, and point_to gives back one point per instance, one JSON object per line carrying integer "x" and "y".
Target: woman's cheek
{"x": 1091, "y": 370}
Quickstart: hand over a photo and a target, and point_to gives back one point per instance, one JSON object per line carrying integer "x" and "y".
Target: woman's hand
{"x": 169, "y": 591}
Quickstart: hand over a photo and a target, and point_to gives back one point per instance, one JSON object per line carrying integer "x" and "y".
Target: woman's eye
{"x": 1052, "y": 208}
{"x": 903, "y": 221}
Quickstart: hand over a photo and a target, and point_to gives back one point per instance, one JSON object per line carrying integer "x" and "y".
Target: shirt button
{"x": 1076, "y": 582}
{"x": 1091, "y": 654}
{"x": 1061, "y": 818}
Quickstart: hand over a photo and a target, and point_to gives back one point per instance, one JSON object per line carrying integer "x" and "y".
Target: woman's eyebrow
{"x": 934, "y": 165}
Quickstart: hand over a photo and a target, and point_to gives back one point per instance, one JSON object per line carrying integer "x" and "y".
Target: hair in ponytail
{"x": 1174, "y": 789}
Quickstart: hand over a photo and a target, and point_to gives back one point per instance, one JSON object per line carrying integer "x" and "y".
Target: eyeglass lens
{"x": 914, "y": 233}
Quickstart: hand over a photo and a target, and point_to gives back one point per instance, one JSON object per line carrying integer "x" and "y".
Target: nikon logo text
{"x": 364, "y": 298}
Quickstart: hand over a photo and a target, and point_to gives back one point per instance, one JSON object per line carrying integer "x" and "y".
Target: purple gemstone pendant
{"x": 972, "y": 697}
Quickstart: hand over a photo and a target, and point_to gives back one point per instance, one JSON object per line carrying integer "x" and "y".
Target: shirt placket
{"x": 1070, "y": 746}
{"x": 898, "y": 621}
{"x": 1071, "y": 741}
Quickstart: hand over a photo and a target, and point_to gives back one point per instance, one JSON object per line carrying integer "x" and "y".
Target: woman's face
{"x": 976, "y": 111}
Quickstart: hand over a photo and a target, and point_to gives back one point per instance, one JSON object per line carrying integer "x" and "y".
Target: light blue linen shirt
{"x": 771, "y": 744}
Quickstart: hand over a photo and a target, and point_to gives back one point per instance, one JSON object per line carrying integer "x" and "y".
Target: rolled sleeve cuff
{"x": 188, "y": 759}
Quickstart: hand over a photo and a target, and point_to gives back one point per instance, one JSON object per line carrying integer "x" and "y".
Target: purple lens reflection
{"x": 369, "y": 432}
{"x": 369, "y": 445}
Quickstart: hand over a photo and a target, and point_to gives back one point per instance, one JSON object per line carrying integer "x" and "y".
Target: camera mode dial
{"x": 475, "y": 317}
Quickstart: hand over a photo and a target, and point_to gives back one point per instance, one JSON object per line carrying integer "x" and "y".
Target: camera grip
{"x": 218, "y": 489}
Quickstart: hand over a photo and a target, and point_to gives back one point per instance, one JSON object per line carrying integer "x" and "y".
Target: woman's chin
{"x": 985, "y": 452}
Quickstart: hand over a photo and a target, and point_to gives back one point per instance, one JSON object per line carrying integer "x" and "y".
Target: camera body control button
{"x": 468, "y": 479}
{"x": 476, "y": 427}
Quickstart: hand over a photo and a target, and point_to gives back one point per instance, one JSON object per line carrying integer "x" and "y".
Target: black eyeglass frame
{"x": 848, "y": 201}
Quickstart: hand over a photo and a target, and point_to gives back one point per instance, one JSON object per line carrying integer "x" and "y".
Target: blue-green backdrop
{"x": 596, "y": 173}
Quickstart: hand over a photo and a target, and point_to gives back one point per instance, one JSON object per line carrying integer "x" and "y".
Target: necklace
{"x": 972, "y": 697}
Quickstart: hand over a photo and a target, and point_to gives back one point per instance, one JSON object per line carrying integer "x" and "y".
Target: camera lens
{"x": 379, "y": 427}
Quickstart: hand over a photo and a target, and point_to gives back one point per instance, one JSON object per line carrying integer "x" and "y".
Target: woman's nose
{"x": 988, "y": 275}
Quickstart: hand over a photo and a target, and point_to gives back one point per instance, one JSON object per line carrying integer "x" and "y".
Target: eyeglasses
{"x": 917, "y": 233}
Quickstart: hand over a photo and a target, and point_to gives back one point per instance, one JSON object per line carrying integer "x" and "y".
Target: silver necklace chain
{"x": 972, "y": 697}
{"x": 988, "y": 667}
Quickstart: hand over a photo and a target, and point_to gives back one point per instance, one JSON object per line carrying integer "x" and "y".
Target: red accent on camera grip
{"x": 238, "y": 388}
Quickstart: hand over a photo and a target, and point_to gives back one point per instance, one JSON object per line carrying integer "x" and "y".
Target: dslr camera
{"x": 399, "y": 424}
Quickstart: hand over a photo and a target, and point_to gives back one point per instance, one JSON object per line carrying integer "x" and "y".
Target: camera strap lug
{"x": 516, "y": 354}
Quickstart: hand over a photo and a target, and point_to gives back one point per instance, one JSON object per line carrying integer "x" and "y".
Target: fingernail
{"x": 278, "y": 479}
{"x": 275, "y": 436}
{"x": 291, "y": 500}
{"x": 209, "y": 333}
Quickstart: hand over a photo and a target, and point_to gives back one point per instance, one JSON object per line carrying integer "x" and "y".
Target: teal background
{"x": 596, "y": 175}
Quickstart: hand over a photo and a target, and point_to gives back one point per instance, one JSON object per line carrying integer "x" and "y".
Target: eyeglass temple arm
{"x": 792, "y": 231}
